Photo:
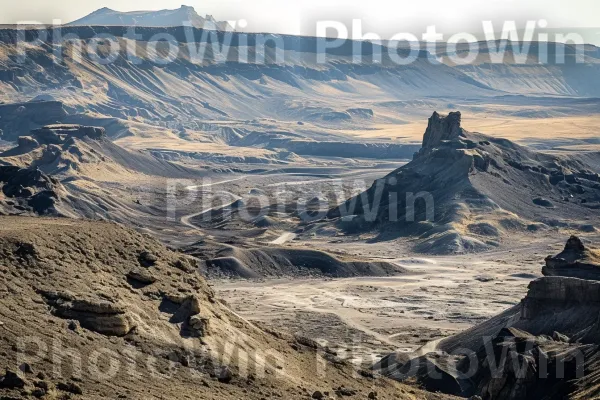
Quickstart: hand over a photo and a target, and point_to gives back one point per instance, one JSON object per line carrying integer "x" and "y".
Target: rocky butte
{"x": 575, "y": 261}
{"x": 463, "y": 191}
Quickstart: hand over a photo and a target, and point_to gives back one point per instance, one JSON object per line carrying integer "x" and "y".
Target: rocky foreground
{"x": 547, "y": 347}
{"x": 94, "y": 310}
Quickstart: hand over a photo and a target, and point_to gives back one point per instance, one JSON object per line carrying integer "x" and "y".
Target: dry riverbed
{"x": 364, "y": 318}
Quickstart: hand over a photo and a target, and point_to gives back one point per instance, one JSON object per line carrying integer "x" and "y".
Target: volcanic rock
{"x": 15, "y": 179}
{"x": 225, "y": 376}
{"x": 32, "y": 188}
{"x": 43, "y": 202}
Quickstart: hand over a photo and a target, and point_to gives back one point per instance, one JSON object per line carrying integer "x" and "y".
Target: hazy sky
{"x": 384, "y": 17}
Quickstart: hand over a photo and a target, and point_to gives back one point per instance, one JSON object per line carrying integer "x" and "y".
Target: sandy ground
{"x": 365, "y": 318}
{"x": 515, "y": 129}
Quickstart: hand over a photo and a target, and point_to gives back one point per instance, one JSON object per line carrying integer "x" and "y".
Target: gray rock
{"x": 225, "y": 375}
{"x": 442, "y": 128}
{"x": 574, "y": 261}
{"x": 70, "y": 387}
{"x": 199, "y": 325}
{"x": 12, "y": 380}
{"x": 147, "y": 259}
{"x": 559, "y": 337}
{"x": 141, "y": 276}
{"x": 540, "y": 201}
{"x": 346, "y": 392}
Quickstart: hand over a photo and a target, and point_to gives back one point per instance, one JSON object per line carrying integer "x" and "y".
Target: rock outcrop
{"x": 459, "y": 180}
{"x": 59, "y": 134}
{"x": 28, "y": 190}
{"x": 102, "y": 316}
{"x": 68, "y": 310}
{"x": 59, "y": 148}
{"x": 442, "y": 128}
{"x": 546, "y": 347}
{"x": 64, "y": 150}
{"x": 574, "y": 261}
{"x": 17, "y": 119}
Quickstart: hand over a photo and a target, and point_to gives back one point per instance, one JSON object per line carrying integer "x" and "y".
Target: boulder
{"x": 70, "y": 387}
{"x": 181, "y": 306}
{"x": 542, "y": 202}
{"x": 199, "y": 325}
{"x": 559, "y": 337}
{"x": 344, "y": 391}
{"x": 147, "y": 259}
{"x": 225, "y": 375}
{"x": 43, "y": 202}
{"x": 141, "y": 276}
{"x": 12, "y": 380}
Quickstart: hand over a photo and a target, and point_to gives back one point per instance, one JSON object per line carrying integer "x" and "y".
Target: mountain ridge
{"x": 160, "y": 18}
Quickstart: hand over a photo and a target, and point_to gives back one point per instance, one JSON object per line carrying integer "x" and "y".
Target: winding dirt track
{"x": 286, "y": 236}
{"x": 185, "y": 220}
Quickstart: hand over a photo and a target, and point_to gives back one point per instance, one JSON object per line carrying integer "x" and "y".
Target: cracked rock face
{"x": 441, "y": 128}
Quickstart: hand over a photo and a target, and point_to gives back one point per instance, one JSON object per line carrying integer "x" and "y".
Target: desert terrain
{"x": 140, "y": 201}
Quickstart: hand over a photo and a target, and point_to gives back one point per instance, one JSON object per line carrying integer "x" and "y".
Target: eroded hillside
{"x": 95, "y": 310}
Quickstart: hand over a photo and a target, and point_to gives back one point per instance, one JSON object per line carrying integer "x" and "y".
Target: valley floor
{"x": 365, "y": 318}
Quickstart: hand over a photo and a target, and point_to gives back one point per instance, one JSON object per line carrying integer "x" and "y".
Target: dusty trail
{"x": 286, "y": 236}
{"x": 185, "y": 220}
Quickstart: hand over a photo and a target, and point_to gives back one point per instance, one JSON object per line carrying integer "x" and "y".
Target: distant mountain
{"x": 162, "y": 18}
